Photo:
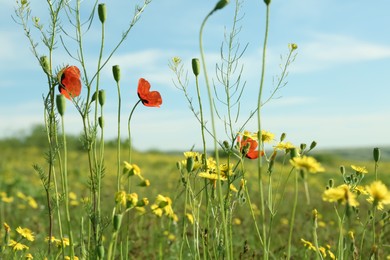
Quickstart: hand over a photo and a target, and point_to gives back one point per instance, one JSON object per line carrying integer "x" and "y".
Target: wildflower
{"x": 131, "y": 169}
{"x": 148, "y": 98}
{"x": 360, "y": 190}
{"x": 31, "y": 202}
{"x": 176, "y": 60}
{"x": 144, "y": 183}
{"x": 212, "y": 176}
{"x": 120, "y": 198}
{"x": 21, "y": 195}
{"x": 307, "y": 163}
{"x": 62, "y": 244}
{"x": 248, "y": 146}
{"x": 308, "y": 245}
{"x": 286, "y": 146}
{"x": 26, "y": 233}
{"x": 69, "y": 82}
{"x": 163, "y": 205}
{"x": 341, "y": 194}
{"x": 190, "y": 218}
{"x": 267, "y": 137}
{"x": 29, "y": 256}
{"x": 17, "y": 246}
{"x": 68, "y": 258}
{"x": 322, "y": 251}
{"x": 143, "y": 202}
{"x": 292, "y": 46}
{"x": 6, "y": 199}
{"x": 236, "y": 221}
{"x": 379, "y": 194}
{"x": 132, "y": 199}
{"x": 233, "y": 188}
{"x": 196, "y": 159}
{"x": 359, "y": 169}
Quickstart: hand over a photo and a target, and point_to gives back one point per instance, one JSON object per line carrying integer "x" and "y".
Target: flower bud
{"x": 44, "y": 61}
{"x": 144, "y": 183}
{"x": 195, "y": 66}
{"x": 142, "y": 203}
{"x": 102, "y": 97}
{"x": 93, "y": 97}
{"x": 116, "y": 71}
{"x": 102, "y": 12}
{"x": 267, "y": 2}
{"x": 313, "y": 145}
{"x": 61, "y": 104}
{"x": 342, "y": 169}
{"x": 331, "y": 183}
{"x": 292, "y": 46}
{"x": 282, "y": 137}
{"x": 221, "y": 4}
{"x": 101, "y": 121}
{"x": 294, "y": 152}
{"x": 117, "y": 221}
{"x": 303, "y": 147}
{"x": 377, "y": 154}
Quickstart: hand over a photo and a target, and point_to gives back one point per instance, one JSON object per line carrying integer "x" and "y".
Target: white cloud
{"x": 329, "y": 50}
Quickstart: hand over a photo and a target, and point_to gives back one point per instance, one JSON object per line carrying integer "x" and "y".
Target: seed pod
{"x": 102, "y": 97}
{"x": 61, "y": 104}
{"x": 116, "y": 71}
{"x": 195, "y": 66}
{"x": 377, "y": 154}
{"x": 102, "y": 12}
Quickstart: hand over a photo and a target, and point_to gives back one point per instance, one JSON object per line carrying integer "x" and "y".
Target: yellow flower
{"x": 308, "y": 245}
{"x": 132, "y": 199}
{"x": 341, "y": 194}
{"x": 17, "y": 246}
{"x": 144, "y": 183}
{"x": 120, "y": 197}
{"x": 68, "y": 258}
{"x": 360, "y": 190}
{"x": 143, "y": 202}
{"x": 21, "y": 195}
{"x": 6, "y": 227}
{"x": 236, "y": 221}
{"x": 359, "y": 169}
{"x": 131, "y": 169}
{"x": 163, "y": 205}
{"x": 251, "y": 135}
{"x": 31, "y": 201}
{"x": 266, "y": 136}
{"x": 29, "y": 256}
{"x": 211, "y": 176}
{"x": 322, "y": 251}
{"x": 233, "y": 188}
{"x": 6, "y": 199}
{"x": 284, "y": 146}
{"x": 65, "y": 242}
{"x": 197, "y": 160}
{"x": 379, "y": 194}
{"x": 26, "y": 233}
{"x": 72, "y": 195}
{"x": 307, "y": 163}
{"x": 190, "y": 218}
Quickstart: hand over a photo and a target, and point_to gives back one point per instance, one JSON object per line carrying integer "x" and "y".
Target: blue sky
{"x": 338, "y": 87}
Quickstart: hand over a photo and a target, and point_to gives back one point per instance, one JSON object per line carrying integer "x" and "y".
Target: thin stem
{"x": 129, "y": 128}
{"x": 292, "y": 220}
{"x": 260, "y": 161}
{"x": 118, "y": 151}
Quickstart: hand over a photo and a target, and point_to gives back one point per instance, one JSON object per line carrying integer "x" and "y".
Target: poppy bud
{"x": 102, "y": 97}
{"x": 195, "y": 66}
{"x": 101, "y": 121}
{"x": 102, "y": 12}
{"x": 221, "y": 4}
{"x": 117, "y": 221}
{"x": 377, "y": 154}
{"x": 116, "y": 71}
{"x": 267, "y": 2}
{"x": 93, "y": 97}
{"x": 61, "y": 104}
{"x": 312, "y": 145}
{"x": 44, "y": 61}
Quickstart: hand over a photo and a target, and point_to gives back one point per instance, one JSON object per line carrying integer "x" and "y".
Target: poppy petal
{"x": 70, "y": 83}
{"x": 148, "y": 98}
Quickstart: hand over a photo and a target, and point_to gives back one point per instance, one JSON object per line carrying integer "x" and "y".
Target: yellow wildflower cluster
{"x": 134, "y": 170}
{"x": 130, "y": 200}
{"x": 341, "y": 194}
{"x": 163, "y": 205}
{"x": 60, "y": 243}
{"x": 324, "y": 251}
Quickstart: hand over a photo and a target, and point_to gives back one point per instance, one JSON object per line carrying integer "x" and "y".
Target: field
{"x": 154, "y": 238}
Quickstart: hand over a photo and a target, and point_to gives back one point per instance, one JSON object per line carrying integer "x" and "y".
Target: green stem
{"x": 129, "y": 128}
{"x": 292, "y": 220}
{"x": 260, "y": 161}
{"x": 227, "y": 241}
{"x": 118, "y": 151}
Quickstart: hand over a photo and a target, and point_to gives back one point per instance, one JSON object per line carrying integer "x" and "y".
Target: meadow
{"x": 252, "y": 195}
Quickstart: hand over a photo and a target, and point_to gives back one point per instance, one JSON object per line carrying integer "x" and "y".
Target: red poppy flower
{"x": 148, "y": 98}
{"x": 248, "y": 147}
{"x": 70, "y": 83}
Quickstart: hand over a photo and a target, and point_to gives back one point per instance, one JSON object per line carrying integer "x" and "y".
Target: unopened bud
{"x": 221, "y": 4}
{"x": 61, "y": 104}
{"x": 313, "y": 145}
{"x": 294, "y": 153}
{"x": 282, "y": 137}
{"x": 102, "y": 12}
{"x": 195, "y": 66}
{"x": 94, "y": 96}
{"x": 267, "y": 2}
{"x": 331, "y": 183}
{"x": 144, "y": 183}
{"x": 292, "y": 46}
{"x": 342, "y": 169}
{"x": 100, "y": 251}
{"x": 116, "y": 71}
{"x": 44, "y": 61}
{"x": 102, "y": 97}
{"x": 190, "y": 164}
{"x": 377, "y": 154}
{"x": 101, "y": 121}
{"x": 303, "y": 147}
